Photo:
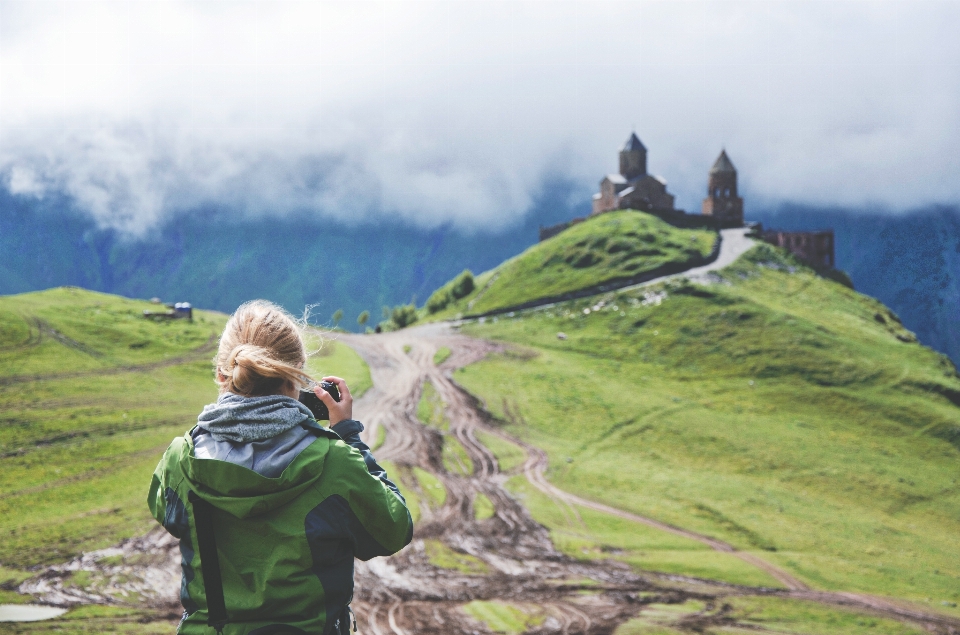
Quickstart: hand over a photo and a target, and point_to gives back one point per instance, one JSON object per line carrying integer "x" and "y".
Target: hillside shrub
{"x": 438, "y": 300}
{"x": 403, "y": 315}
{"x": 460, "y": 287}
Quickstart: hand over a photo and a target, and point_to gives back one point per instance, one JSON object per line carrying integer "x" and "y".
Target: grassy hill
{"x": 91, "y": 393}
{"x": 604, "y": 248}
{"x": 776, "y": 410}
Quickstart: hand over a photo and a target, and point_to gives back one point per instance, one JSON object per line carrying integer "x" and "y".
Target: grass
{"x": 419, "y": 487}
{"x": 434, "y": 490}
{"x": 91, "y": 394}
{"x": 605, "y": 247}
{"x": 779, "y": 411}
{"x": 406, "y": 482}
{"x": 381, "y": 438}
{"x": 510, "y": 456}
{"x": 590, "y": 535}
{"x": 98, "y": 619}
{"x": 430, "y": 408}
{"x": 336, "y": 358}
{"x": 659, "y": 619}
{"x": 766, "y": 614}
{"x": 443, "y": 354}
{"x": 10, "y": 579}
{"x": 799, "y": 616}
{"x": 441, "y": 555}
{"x": 482, "y": 507}
{"x": 505, "y": 617}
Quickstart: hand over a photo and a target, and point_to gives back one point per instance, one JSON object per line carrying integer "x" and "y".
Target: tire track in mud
{"x": 525, "y": 566}
{"x": 535, "y": 467}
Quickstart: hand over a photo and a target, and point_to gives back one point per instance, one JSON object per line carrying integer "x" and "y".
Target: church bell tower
{"x": 633, "y": 158}
{"x": 722, "y": 201}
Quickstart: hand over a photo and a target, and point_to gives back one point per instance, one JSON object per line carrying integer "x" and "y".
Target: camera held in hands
{"x": 317, "y": 407}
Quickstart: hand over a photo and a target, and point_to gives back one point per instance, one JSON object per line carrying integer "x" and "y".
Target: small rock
{"x": 561, "y": 336}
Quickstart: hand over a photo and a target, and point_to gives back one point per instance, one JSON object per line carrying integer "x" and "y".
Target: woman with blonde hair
{"x": 271, "y": 507}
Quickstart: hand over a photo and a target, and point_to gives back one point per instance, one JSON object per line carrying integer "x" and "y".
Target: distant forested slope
{"x": 216, "y": 260}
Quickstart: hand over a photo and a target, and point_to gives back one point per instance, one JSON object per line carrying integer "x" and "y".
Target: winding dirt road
{"x": 407, "y": 594}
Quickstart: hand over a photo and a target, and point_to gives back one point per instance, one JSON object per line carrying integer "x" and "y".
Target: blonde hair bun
{"x": 261, "y": 348}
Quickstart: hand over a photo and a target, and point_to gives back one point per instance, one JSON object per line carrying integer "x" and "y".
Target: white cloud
{"x": 454, "y": 110}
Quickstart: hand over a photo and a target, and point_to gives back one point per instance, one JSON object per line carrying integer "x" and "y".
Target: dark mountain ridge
{"x": 216, "y": 260}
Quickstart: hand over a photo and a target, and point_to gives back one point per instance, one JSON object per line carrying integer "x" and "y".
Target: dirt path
{"x": 536, "y": 465}
{"x": 406, "y": 594}
{"x": 511, "y": 557}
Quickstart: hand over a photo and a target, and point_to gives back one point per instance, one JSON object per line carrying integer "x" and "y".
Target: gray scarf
{"x": 242, "y": 419}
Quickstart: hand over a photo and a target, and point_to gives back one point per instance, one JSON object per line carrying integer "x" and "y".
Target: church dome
{"x": 633, "y": 144}
{"x": 723, "y": 165}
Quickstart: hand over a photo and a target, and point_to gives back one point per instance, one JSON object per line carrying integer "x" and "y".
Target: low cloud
{"x": 454, "y": 112}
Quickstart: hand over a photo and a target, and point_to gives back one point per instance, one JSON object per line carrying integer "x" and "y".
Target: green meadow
{"x": 505, "y": 617}
{"x": 91, "y": 394}
{"x": 761, "y": 614}
{"x": 602, "y": 248}
{"x": 779, "y": 411}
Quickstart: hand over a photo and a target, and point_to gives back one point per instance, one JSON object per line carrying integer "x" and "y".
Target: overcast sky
{"x": 457, "y": 111}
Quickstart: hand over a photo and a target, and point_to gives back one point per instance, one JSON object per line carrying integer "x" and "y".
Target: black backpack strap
{"x": 209, "y": 562}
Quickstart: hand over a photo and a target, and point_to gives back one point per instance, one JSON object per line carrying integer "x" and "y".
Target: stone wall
{"x": 814, "y": 248}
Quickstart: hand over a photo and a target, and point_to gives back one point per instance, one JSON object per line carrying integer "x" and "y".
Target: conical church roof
{"x": 633, "y": 143}
{"x": 723, "y": 164}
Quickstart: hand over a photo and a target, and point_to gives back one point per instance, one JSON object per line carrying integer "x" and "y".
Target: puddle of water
{"x": 28, "y": 612}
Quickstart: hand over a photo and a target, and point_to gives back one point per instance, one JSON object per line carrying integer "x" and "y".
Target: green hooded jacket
{"x": 285, "y": 545}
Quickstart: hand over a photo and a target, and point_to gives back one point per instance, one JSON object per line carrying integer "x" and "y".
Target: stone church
{"x": 633, "y": 188}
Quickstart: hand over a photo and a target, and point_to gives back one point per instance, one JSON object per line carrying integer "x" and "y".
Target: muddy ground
{"x": 406, "y": 594}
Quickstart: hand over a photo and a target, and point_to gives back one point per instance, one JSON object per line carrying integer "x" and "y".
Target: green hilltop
{"x": 606, "y": 248}
{"x": 774, "y": 409}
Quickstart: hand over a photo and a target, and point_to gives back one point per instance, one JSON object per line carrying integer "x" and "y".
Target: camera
{"x": 317, "y": 407}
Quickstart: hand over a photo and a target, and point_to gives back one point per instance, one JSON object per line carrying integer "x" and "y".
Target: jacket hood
{"x": 240, "y": 419}
{"x": 242, "y": 492}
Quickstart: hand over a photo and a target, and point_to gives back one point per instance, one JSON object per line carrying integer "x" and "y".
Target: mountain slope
{"x": 91, "y": 393}
{"x": 776, "y": 410}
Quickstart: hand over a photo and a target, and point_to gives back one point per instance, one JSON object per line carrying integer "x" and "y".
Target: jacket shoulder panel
{"x": 379, "y": 510}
